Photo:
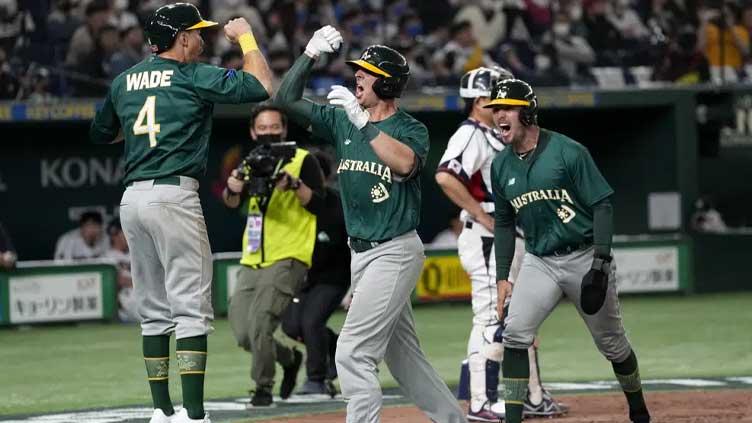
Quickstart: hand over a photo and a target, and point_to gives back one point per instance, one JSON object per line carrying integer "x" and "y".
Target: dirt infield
{"x": 717, "y": 406}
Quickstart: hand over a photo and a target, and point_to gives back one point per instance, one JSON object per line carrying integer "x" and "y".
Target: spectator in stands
{"x": 8, "y": 255}
{"x": 39, "y": 86}
{"x": 278, "y": 38}
{"x": 122, "y": 18}
{"x": 8, "y": 81}
{"x": 573, "y": 53}
{"x": 83, "y": 43}
{"x": 224, "y": 10}
{"x": 132, "y": 50}
{"x": 409, "y": 31}
{"x": 747, "y": 17}
{"x": 62, "y": 23}
{"x": 461, "y": 54}
{"x": 94, "y": 71}
{"x": 352, "y": 28}
{"x": 724, "y": 41}
{"x": 127, "y": 306}
{"x": 624, "y": 17}
{"x": 602, "y": 35}
{"x": 10, "y": 23}
{"x": 634, "y": 33}
{"x": 487, "y": 20}
{"x": 85, "y": 242}
{"x": 418, "y": 60}
{"x": 680, "y": 61}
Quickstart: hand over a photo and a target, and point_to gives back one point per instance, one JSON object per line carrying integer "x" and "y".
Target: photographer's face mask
{"x": 268, "y": 138}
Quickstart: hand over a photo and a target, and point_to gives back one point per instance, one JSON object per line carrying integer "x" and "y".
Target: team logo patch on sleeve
{"x": 455, "y": 166}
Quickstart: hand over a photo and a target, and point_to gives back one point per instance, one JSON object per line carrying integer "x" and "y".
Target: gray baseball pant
{"x": 380, "y": 325}
{"x": 171, "y": 261}
{"x": 542, "y": 282}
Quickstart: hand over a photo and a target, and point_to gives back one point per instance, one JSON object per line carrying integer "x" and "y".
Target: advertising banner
{"x": 647, "y": 269}
{"x": 46, "y": 298}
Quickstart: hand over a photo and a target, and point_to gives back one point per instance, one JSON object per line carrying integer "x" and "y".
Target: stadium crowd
{"x": 62, "y": 48}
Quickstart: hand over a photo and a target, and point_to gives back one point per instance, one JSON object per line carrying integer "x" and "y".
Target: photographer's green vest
{"x": 284, "y": 230}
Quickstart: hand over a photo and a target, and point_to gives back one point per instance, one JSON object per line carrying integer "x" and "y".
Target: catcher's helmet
{"x": 389, "y": 65}
{"x": 479, "y": 82}
{"x": 163, "y": 26}
{"x": 515, "y": 92}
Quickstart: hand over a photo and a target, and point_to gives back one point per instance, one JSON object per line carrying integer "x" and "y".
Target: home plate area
{"x": 688, "y": 400}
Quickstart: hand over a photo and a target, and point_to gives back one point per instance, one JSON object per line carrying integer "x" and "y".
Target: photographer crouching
{"x": 275, "y": 185}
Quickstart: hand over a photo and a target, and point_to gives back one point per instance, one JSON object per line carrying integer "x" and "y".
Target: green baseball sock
{"x": 628, "y": 374}
{"x": 516, "y": 371}
{"x": 191, "y": 354}
{"x": 157, "y": 359}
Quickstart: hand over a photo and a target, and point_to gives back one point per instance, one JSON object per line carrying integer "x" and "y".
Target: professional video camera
{"x": 262, "y": 167}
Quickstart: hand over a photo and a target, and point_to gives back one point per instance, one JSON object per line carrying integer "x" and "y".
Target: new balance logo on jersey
{"x": 511, "y": 181}
{"x": 541, "y": 194}
{"x": 377, "y": 169}
{"x": 148, "y": 79}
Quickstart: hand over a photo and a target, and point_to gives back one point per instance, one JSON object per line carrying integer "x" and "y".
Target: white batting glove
{"x": 341, "y": 96}
{"x": 325, "y": 40}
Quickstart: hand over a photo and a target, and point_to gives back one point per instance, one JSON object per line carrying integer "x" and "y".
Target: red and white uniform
{"x": 468, "y": 157}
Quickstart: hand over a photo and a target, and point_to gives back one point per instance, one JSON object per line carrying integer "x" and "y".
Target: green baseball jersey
{"x": 164, "y": 108}
{"x": 551, "y": 193}
{"x": 377, "y": 203}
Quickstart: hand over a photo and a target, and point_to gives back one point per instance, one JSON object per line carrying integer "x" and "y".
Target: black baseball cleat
{"x": 290, "y": 375}
{"x": 262, "y": 397}
{"x": 641, "y": 416}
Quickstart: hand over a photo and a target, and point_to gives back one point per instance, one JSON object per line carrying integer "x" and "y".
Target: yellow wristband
{"x": 247, "y": 43}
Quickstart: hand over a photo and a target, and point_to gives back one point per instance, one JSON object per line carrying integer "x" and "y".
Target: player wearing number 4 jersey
{"x": 163, "y": 108}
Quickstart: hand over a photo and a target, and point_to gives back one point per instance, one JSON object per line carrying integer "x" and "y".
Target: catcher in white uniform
{"x": 464, "y": 176}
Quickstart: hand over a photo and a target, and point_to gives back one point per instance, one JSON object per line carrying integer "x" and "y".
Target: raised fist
{"x": 235, "y": 28}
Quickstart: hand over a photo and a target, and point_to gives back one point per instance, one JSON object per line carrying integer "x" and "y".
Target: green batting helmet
{"x": 387, "y": 64}
{"x": 516, "y": 92}
{"x": 163, "y": 26}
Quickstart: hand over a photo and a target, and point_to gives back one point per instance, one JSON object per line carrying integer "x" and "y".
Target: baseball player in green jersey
{"x": 380, "y": 150}
{"x": 549, "y": 185}
{"x": 163, "y": 108}
{"x": 464, "y": 174}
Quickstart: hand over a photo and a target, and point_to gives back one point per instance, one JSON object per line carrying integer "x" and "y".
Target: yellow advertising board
{"x": 443, "y": 278}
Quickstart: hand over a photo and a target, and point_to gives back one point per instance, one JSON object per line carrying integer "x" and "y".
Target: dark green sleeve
{"x": 504, "y": 232}
{"x": 603, "y": 227}
{"x": 591, "y": 185}
{"x": 105, "y": 126}
{"x": 416, "y": 137}
{"x": 227, "y": 86}
{"x": 289, "y": 97}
